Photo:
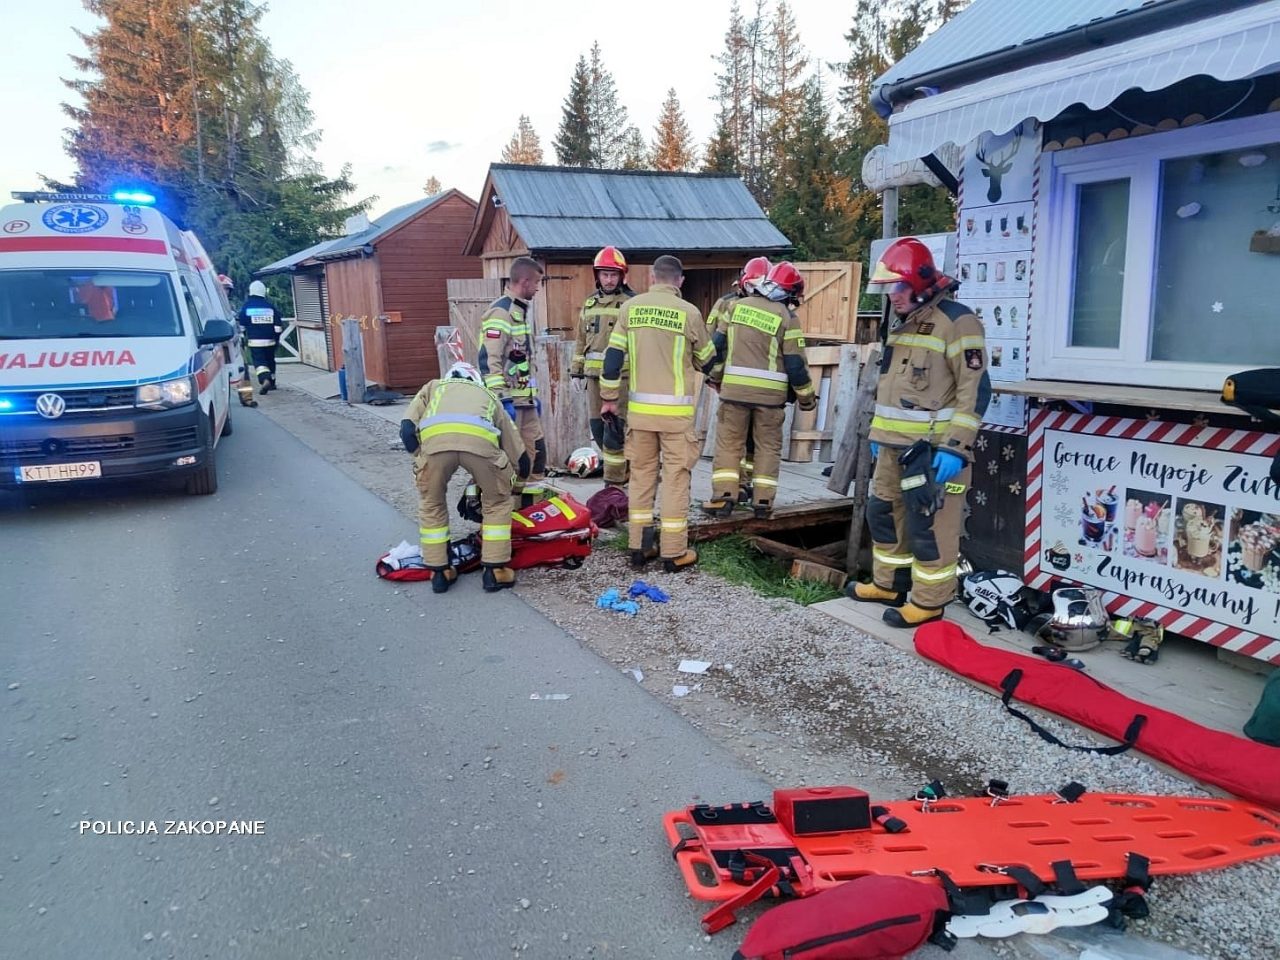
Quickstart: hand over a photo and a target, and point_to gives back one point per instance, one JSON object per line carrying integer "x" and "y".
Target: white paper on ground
{"x": 694, "y": 666}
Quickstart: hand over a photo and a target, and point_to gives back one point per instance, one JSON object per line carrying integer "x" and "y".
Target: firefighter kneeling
{"x": 932, "y": 393}
{"x": 456, "y": 422}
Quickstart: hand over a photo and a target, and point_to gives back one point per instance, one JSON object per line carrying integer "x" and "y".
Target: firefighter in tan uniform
{"x": 755, "y": 270}
{"x": 596, "y": 321}
{"x": 932, "y": 393}
{"x": 664, "y": 341}
{"x": 456, "y": 422}
{"x": 506, "y": 362}
{"x": 763, "y": 349}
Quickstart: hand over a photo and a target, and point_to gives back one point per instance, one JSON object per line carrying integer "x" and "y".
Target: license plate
{"x": 53, "y": 472}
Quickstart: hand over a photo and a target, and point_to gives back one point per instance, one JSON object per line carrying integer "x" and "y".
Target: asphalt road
{"x": 172, "y": 658}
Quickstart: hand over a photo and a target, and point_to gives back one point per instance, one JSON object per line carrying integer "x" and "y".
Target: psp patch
{"x": 74, "y": 218}
{"x": 974, "y": 359}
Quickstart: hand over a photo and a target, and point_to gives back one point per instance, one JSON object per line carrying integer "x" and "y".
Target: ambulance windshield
{"x": 68, "y": 304}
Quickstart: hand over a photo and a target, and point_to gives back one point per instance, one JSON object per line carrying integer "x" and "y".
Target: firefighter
{"x": 456, "y": 422}
{"x": 763, "y": 350}
{"x": 932, "y": 393}
{"x": 506, "y": 362}
{"x": 263, "y": 328}
{"x": 755, "y": 270}
{"x": 596, "y": 321}
{"x": 664, "y": 341}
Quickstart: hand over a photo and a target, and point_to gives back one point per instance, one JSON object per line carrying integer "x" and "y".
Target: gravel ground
{"x": 808, "y": 700}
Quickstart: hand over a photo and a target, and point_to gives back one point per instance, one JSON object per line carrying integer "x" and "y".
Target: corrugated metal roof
{"x": 570, "y": 208}
{"x": 987, "y": 26}
{"x": 351, "y": 243}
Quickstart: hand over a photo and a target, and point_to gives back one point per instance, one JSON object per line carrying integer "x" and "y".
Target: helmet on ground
{"x": 997, "y": 597}
{"x": 464, "y": 371}
{"x": 610, "y": 258}
{"x": 1079, "y": 620}
{"x": 784, "y": 282}
{"x": 583, "y": 462}
{"x": 904, "y": 261}
{"x": 257, "y": 289}
{"x": 755, "y": 270}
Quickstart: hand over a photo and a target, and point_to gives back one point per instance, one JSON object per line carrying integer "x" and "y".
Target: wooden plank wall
{"x": 468, "y": 300}
{"x": 829, "y": 310}
{"x": 355, "y": 291}
{"x": 417, "y": 261}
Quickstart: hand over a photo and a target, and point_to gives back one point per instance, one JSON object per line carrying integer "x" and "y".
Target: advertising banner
{"x": 1174, "y": 521}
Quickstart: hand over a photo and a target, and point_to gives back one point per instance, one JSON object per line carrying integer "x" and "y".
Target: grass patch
{"x": 734, "y": 559}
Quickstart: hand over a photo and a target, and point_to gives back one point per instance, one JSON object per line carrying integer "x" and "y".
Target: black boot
{"x": 682, "y": 562}
{"x": 498, "y": 578}
{"x": 648, "y": 548}
{"x": 442, "y": 578}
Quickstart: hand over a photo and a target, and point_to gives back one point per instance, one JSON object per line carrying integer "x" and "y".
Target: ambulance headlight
{"x": 166, "y": 394}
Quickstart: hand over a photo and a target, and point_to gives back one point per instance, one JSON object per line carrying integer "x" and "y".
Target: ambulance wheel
{"x": 227, "y": 428}
{"x": 204, "y": 481}
{"x": 571, "y": 563}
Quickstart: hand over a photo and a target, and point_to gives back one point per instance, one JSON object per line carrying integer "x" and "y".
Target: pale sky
{"x": 404, "y": 89}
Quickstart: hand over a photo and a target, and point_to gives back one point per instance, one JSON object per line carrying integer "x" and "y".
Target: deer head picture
{"x": 994, "y": 168}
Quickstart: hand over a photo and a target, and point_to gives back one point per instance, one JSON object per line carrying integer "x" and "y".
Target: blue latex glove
{"x": 946, "y": 466}
{"x": 642, "y": 589}
{"x": 509, "y": 406}
{"x": 875, "y": 450}
{"x": 629, "y": 607}
{"x": 607, "y": 599}
{"x": 537, "y": 406}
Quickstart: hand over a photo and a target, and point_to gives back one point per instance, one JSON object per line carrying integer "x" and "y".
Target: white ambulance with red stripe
{"x": 114, "y": 347}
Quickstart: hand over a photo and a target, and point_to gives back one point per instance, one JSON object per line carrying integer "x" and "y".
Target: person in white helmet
{"x": 263, "y": 327}
{"x": 456, "y": 422}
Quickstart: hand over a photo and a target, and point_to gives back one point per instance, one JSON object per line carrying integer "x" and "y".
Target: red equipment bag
{"x": 1247, "y": 769}
{"x": 869, "y": 918}
{"x": 556, "y": 532}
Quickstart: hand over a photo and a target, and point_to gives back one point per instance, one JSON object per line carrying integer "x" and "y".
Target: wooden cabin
{"x": 391, "y": 274}
{"x": 562, "y": 216}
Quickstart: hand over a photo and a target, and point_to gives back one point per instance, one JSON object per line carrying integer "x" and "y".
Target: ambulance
{"x": 115, "y": 345}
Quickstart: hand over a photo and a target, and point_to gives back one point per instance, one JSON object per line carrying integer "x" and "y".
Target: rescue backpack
{"x": 874, "y": 917}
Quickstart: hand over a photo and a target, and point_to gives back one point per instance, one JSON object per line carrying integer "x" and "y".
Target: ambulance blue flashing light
{"x": 6, "y": 404}
{"x": 133, "y": 196}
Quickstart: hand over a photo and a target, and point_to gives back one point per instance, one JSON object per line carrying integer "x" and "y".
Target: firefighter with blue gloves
{"x": 932, "y": 394}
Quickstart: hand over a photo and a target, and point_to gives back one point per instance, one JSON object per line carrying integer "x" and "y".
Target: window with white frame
{"x": 1148, "y": 273}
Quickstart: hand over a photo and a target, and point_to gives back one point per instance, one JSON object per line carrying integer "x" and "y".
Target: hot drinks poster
{"x": 1178, "y": 525}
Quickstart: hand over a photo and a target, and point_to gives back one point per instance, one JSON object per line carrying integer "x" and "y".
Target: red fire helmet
{"x": 905, "y": 261}
{"x": 610, "y": 258}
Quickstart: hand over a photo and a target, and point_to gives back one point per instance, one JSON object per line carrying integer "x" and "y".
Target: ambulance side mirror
{"x": 216, "y": 331}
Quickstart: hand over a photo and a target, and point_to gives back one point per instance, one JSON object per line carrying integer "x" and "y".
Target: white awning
{"x": 1234, "y": 45}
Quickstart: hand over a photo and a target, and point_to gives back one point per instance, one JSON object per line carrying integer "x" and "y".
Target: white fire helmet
{"x": 583, "y": 462}
{"x": 465, "y": 371}
{"x": 998, "y": 597}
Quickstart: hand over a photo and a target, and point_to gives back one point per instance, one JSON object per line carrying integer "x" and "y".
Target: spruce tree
{"x": 719, "y": 155}
{"x": 812, "y": 203}
{"x": 783, "y": 98}
{"x": 635, "y": 152}
{"x": 138, "y": 116}
{"x": 188, "y": 97}
{"x": 673, "y": 143}
{"x": 524, "y": 145}
{"x": 733, "y": 96}
{"x": 606, "y": 116}
{"x": 573, "y": 144}
{"x": 432, "y": 186}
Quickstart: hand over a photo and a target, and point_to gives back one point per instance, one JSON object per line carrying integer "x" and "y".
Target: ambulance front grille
{"x": 36, "y": 450}
{"x": 78, "y": 401}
